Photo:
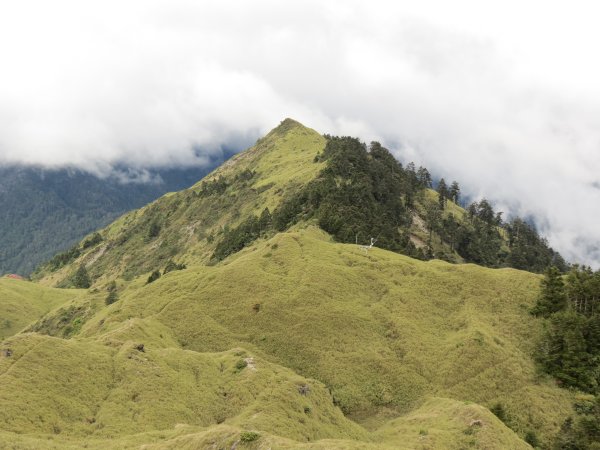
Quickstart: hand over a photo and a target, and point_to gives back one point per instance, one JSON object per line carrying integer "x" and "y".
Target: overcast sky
{"x": 505, "y": 98}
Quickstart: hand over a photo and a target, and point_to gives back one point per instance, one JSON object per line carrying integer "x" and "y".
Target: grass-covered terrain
{"x": 293, "y": 174}
{"x": 187, "y": 225}
{"x": 292, "y": 340}
{"x": 395, "y": 352}
{"x": 22, "y": 302}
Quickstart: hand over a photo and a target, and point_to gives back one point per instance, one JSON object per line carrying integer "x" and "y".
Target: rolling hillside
{"x": 209, "y": 325}
{"x": 22, "y": 302}
{"x": 294, "y": 174}
{"x": 407, "y": 349}
{"x": 185, "y": 225}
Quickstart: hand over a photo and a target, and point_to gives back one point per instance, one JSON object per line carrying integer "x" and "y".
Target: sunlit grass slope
{"x": 307, "y": 342}
{"x": 382, "y": 331}
{"x": 81, "y": 389}
{"x": 22, "y": 302}
{"x": 78, "y": 394}
{"x": 188, "y": 221}
{"x": 380, "y": 335}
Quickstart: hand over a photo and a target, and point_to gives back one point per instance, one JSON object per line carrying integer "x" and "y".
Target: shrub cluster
{"x": 570, "y": 347}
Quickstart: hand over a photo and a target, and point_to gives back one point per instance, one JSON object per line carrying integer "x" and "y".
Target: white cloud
{"x": 502, "y": 97}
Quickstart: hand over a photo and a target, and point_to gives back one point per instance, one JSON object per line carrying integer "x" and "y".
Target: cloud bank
{"x": 503, "y": 98}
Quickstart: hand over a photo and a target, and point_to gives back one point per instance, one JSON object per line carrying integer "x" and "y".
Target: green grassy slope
{"x": 381, "y": 330}
{"x": 22, "y": 302}
{"x": 83, "y": 388}
{"x": 98, "y": 396}
{"x": 190, "y": 221}
{"x": 187, "y": 225}
{"x": 408, "y": 349}
{"x": 397, "y": 353}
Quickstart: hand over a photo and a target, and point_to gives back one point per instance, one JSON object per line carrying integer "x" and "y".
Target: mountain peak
{"x": 286, "y": 126}
{"x": 288, "y": 122}
{"x": 187, "y": 225}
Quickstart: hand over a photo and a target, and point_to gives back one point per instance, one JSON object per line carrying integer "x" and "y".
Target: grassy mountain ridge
{"x": 438, "y": 424}
{"x": 187, "y": 223}
{"x": 294, "y": 174}
{"x": 393, "y": 334}
{"x": 294, "y": 339}
{"x": 108, "y": 395}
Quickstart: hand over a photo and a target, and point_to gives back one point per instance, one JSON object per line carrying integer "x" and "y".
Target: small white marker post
{"x": 366, "y": 248}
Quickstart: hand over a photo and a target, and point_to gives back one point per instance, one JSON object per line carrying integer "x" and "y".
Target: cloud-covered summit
{"x": 503, "y": 98}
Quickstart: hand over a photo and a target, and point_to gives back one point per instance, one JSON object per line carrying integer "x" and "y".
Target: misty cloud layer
{"x": 504, "y": 100}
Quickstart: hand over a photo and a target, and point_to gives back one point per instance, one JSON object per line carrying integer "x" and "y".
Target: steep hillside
{"x": 44, "y": 211}
{"x": 241, "y": 313}
{"x": 294, "y": 174}
{"x": 386, "y": 336}
{"x": 186, "y": 225}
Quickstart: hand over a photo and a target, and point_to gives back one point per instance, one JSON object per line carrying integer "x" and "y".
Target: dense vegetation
{"x": 249, "y": 230}
{"x": 357, "y": 196}
{"x": 353, "y": 192}
{"x": 415, "y": 351}
{"x": 295, "y": 338}
{"x": 366, "y": 193}
{"x": 484, "y": 238}
{"x": 570, "y": 348}
{"x": 44, "y": 211}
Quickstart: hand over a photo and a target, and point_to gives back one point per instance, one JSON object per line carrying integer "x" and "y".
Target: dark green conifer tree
{"x": 454, "y": 192}
{"x": 153, "y": 230}
{"x": 553, "y": 297}
{"x": 451, "y": 227}
{"x": 265, "y": 221}
{"x": 433, "y": 218}
{"x": 443, "y": 192}
{"x": 111, "y": 298}
{"x": 81, "y": 279}
{"x": 424, "y": 177}
{"x": 153, "y": 276}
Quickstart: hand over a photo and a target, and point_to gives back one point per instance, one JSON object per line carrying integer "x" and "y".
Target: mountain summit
{"x": 292, "y": 175}
{"x": 186, "y": 225}
{"x": 241, "y": 313}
